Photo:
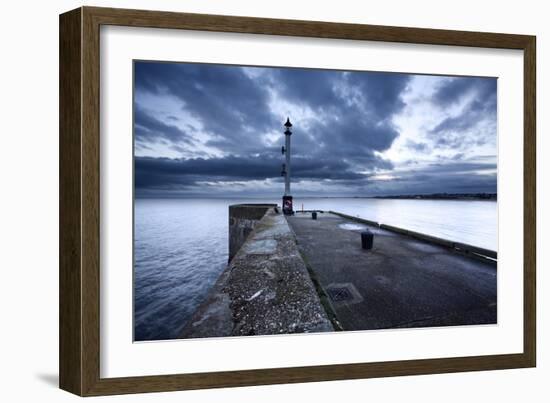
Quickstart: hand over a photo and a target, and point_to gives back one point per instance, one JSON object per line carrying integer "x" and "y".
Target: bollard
{"x": 314, "y": 215}
{"x": 367, "y": 239}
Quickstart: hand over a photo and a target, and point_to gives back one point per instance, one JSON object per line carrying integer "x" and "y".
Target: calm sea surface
{"x": 181, "y": 245}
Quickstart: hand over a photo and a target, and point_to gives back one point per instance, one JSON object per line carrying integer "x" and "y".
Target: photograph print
{"x": 277, "y": 200}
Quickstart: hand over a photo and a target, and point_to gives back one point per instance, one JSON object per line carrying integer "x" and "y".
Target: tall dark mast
{"x": 287, "y": 198}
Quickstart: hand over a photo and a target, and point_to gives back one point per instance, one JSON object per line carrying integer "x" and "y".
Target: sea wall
{"x": 266, "y": 288}
{"x": 471, "y": 250}
{"x": 242, "y": 220}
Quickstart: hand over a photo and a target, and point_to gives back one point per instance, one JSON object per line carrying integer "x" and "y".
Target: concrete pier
{"x": 403, "y": 281}
{"x": 266, "y": 288}
{"x": 295, "y": 274}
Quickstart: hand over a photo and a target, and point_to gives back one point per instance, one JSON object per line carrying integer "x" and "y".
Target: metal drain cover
{"x": 338, "y": 294}
{"x": 343, "y": 293}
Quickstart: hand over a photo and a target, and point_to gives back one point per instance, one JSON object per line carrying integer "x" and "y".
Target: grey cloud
{"x": 417, "y": 146}
{"x": 354, "y": 109}
{"x": 149, "y": 129}
{"x": 223, "y": 98}
{"x": 166, "y": 173}
{"x": 352, "y": 123}
{"x": 456, "y": 131}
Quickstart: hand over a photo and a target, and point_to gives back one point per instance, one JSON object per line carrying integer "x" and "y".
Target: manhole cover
{"x": 339, "y": 294}
{"x": 343, "y": 293}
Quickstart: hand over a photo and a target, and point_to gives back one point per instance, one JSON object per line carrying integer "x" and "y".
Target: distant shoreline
{"x": 444, "y": 196}
{"x": 433, "y": 196}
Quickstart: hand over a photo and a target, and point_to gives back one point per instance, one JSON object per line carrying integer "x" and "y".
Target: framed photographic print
{"x": 249, "y": 201}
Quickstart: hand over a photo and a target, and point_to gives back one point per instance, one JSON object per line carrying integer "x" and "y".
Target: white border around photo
{"x": 121, "y": 357}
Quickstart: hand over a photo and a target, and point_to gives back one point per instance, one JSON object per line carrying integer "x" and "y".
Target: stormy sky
{"x": 214, "y": 130}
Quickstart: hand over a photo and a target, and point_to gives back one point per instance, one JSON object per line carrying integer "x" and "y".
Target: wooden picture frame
{"x": 79, "y": 279}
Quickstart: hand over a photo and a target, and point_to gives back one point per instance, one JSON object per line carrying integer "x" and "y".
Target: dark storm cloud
{"x": 168, "y": 173}
{"x": 383, "y": 89}
{"x": 149, "y": 129}
{"x": 349, "y": 123}
{"x": 224, "y": 98}
{"x": 312, "y": 87}
{"x": 355, "y": 108}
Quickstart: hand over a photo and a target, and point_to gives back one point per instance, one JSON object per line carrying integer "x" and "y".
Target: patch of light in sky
{"x": 254, "y": 72}
{"x": 302, "y": 113}
{"x": 420, "y": 116}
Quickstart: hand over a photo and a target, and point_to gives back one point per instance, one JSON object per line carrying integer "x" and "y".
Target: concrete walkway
{"x": 266, "y": 289}
{"x": 401, "y": 282}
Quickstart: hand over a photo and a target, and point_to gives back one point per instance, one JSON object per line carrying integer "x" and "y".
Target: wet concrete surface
{"x": 401, "y": 282}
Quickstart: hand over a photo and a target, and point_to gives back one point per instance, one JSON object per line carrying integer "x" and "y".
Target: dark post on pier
{"x": 287, "y": 198}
